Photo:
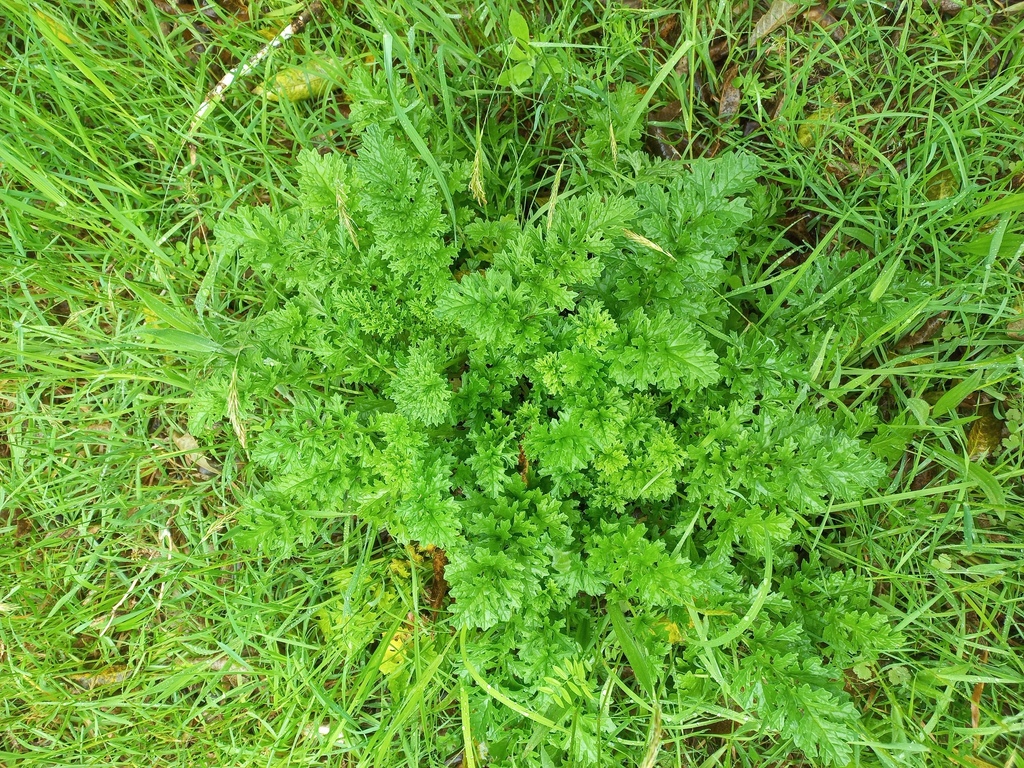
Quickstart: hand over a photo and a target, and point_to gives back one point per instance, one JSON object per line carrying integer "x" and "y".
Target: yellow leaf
{"x": 235, "y": 415}
{"x": 419, "y": 554}
{"x": 978, "y": 762}
{"x": 672, "y": 631}
{"x": 58, "y": 29}
{"x": 394, "y": 656}
{"x": 808, "y": 134}
{"x": 316, "y": 77}
{"x": 108, "y": 676}
{"x": 400, "y": 568}
{"x": 941, "y": 185}
{"x": 985, "y": 437}
{"x": 270, "y": 33}
{"x": 151, "y": 318}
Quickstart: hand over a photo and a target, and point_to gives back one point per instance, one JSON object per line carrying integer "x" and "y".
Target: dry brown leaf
{"x": 118, "y": 673}
{"x": 847, "y": 170}
{"x": 439, "y": 589}
{"x": 979, "y": 689}
{"x": 189, "y": 446}
{"x": 947, "y": 8}
{"x": 668, "y": 29}
{"x": 931, "y": 328}
{"x": 1015, "y": 328}
{"x": 654, "y": 740}
{"x": 821, "y": 16}
{"x": 1009, "y": 11}
{"x": 729, "y": 102}
{"x": 986, "y": 436}
{"x": 780, "y": 12}
{"x": 719, "y": 50}
{"x": 660, "y": 144}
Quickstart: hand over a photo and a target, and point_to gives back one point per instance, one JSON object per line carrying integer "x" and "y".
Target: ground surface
{"x": 134, "y": 632}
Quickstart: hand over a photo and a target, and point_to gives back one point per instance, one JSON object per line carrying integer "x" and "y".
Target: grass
{"x": 133, "y": 631}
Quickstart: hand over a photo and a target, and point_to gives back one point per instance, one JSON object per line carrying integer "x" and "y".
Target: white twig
{"x": 113, "y": 611}
{"x": 244, "y": 68}
{"x": 165, "y": 540}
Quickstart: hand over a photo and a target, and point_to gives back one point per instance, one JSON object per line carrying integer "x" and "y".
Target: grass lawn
{"x": 138, "y": 624}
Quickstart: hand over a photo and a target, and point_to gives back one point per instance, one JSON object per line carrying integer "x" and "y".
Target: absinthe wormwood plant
{"x": 563, "y": 409}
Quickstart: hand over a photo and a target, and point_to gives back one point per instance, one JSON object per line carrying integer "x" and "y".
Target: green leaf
{"x": 498, "y": 695}
{"x": 550, "y": 64}
{"x": 820, "y": 724}
{"x": 952, "y": 398}
{"x": 165, "y": 313}
{"x": 518, "y": 27}
{"x": 994, "y": 491}
{"x": 635, "y": 652}
{"x": 659, "y": 78}
{"x": 885, "y": 279}
{"x": 414, "y": 135}
{"x": 181, "y": 341}
{"x": 664, "y": 351}
{"x": 919, "y": 408}
{"x": 744, "y": 623}
{"x": 518, "y": 54}
{"x": 563, "y": 445}
{"x": 419, "y": 390}
{"x": 566, "y": 410}
{"x": 517, "y": 75}
{"x": 1007, "y": 204}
